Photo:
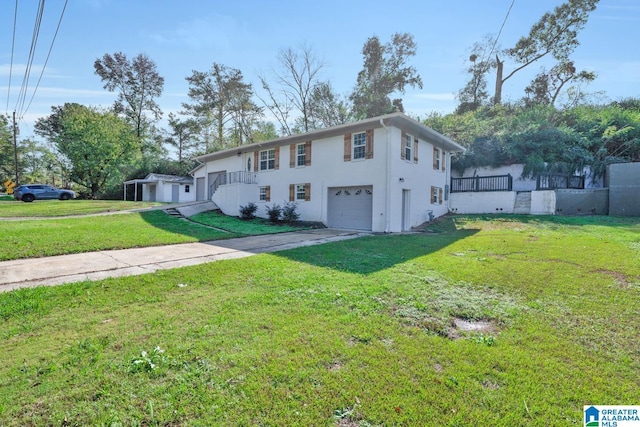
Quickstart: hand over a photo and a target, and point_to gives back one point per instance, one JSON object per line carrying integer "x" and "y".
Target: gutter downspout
{"x": 387, "y": 196}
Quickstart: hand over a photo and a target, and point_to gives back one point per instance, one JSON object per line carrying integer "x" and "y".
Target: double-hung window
{"x": 436, "y": 159}
{"x": 301, "y": 192}
{"x": 301, "y": 154}
{"x": 436, "y": 195}
{"x": 359, "y": 145}
{"x": 408, "y": 147}
{"x": 268, "y": 159}
{"x": 264, "y": 194}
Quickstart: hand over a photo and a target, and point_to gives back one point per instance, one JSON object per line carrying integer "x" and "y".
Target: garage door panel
{"x": 350, "y": 207}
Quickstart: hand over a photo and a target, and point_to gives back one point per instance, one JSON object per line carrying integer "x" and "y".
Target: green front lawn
{"x": 48, "y": 237}
{"x": 38, "y": 238}
{"x": 48, "y": 208}
{"x": 236, "y": 225}
{"x": 353, "y": 333}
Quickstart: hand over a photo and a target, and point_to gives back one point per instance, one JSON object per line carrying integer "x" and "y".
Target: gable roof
{"x": 398, "y": 120}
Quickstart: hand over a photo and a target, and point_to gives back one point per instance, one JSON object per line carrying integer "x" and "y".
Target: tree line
{"x": 98, "y": 149}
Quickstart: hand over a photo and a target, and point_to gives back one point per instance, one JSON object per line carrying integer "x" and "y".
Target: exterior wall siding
{"x": 382, "y": 169}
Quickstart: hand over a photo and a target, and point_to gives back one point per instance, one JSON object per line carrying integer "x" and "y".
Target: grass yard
{"x": 47, "y": 237}
{"x": 10, "y": 208}
{"x": 236, "y": 225}
{"x": 38, "y": 238}
{"x": 352, "y": 333}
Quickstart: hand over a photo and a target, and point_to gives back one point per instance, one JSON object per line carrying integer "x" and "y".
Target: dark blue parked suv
{"x": 31, "y": 192}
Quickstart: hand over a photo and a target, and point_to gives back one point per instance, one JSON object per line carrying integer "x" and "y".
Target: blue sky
{"x": 186, "y": 35}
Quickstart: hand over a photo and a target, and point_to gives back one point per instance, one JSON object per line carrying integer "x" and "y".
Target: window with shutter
{"x": 301, "y": 154}
{"x": 407, "y": 147}
{"x": 265, "y": 194}
{"x": 268, "y": 159}
{"x": 359, "y": 145}
{"x": 436, "y": 158}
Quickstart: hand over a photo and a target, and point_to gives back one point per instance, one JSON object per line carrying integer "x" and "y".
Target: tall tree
{"x": 328, "y": 109}
{"x": 222, "y": 105}
{"x": 91, "y": 144}
{"x": 138, "y": 85}
{"x": 554, "y": 34}
{"x": 182, "y": 134}
{"x": 475, "y": 93}
{"x": 385, "y": 72}
{"x": 546, "y": 87}
{"x": 7, "y": 164}
{"x": 295, "y": 81}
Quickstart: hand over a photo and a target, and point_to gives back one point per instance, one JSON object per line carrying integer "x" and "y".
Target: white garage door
{"x": 350, "y": 207}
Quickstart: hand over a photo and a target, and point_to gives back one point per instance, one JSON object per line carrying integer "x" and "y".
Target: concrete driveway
{"x": 61, "y": 269}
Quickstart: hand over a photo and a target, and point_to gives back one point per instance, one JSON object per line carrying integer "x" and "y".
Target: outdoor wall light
{"x": 401, "y": 180}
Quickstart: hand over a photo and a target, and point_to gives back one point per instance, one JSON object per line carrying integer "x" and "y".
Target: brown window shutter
{"x": 307, "y": 191}
{"x": 292, "y": 155}
{"x": 369, "y": 145}
{"x": 268, "y": 193}
{"x": 292, "y": 192}
{"x": 256, "y": 165}
{"x": 307, "y": 153}
{"x": 443, "y": 162}
{"x": 347, "y": 147}
{"x": 440, "y": 195}
{"x": 435, "y": 158}
{"x": 402, "y": 142}
{"x": 415, "y": 150}
{"x": 277, "y": 159}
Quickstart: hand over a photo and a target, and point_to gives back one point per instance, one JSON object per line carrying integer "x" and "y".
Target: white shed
{"x": 163, "y": 188}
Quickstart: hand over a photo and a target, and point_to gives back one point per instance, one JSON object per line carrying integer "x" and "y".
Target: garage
{"x": 350, "y": 207}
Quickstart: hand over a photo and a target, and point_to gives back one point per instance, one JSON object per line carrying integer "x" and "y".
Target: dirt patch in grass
{"x": 474, "y": 325}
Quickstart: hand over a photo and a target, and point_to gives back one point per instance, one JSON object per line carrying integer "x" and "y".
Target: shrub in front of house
{"x": 274, "y": 212}
{"x": 290, "y": 213}
{"x": 248, "y": 211}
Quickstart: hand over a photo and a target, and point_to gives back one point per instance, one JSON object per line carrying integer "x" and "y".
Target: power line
{"x": 27, "y": 72}
{"x": 48, "y": 54}
{"x": 501, "y": 27}
{"x": 13, "y": 42}
{"x": 495, "y": 42}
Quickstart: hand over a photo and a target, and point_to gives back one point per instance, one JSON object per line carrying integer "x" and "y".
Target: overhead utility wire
{"x": 48, "y": 54}
{"x": 495, "y": 42}
{"x": 27, "y": 72}
{"x": 13, "y": 43}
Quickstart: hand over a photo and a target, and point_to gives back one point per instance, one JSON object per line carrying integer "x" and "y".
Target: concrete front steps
{"x": 187, "y": 210}
{"x": 522, "y": 204}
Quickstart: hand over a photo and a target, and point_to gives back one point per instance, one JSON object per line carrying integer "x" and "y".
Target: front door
{"x": 406, "y": 209}
{"x": 200, "y": 189}
{"x": 175, "y": 193}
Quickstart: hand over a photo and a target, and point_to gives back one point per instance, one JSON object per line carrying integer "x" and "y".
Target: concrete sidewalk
{"x": 61, "y": 269}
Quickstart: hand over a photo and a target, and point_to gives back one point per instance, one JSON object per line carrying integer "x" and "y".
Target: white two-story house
{"x": 384, "y": 174}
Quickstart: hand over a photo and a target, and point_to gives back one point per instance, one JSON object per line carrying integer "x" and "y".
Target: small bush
{"x": 248, "y": 211}
{"x": 289, "y": 212}
{"x": 274, "y": 212}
